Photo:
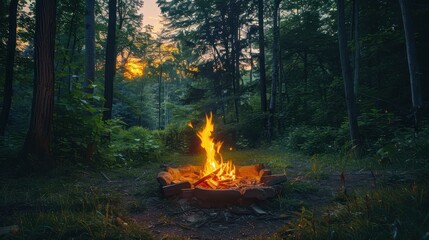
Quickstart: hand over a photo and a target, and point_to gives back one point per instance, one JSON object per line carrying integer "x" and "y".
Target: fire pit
{"x": 219, "y": 183}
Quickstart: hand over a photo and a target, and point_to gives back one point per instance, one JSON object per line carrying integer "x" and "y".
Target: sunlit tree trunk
{"x": 262, "y": 76}
{"x": 110, "y": 65}
{"x": 89, "y": 45}
{"x": 275, "y": 66}
{"x": 347, "y": 76}
{"x": 413, "y": 66}
{"x": 10, "y": 60}
{"x": 38, "y": 141}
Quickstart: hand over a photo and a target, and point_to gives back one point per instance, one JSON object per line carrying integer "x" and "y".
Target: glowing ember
{"x": 214, "y": 162}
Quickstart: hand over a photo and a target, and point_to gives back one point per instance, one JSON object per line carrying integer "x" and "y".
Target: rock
{"x": 260, "y": 193}
{"x": 217, "y": 196}
{"x": 274, "y": 179}
{"x": 175, "y": 189}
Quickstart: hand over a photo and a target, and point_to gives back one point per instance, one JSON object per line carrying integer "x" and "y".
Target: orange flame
{"x": 226, "y": 171}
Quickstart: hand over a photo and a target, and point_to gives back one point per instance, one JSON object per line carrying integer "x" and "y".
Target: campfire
{"x": 219, "y": 182}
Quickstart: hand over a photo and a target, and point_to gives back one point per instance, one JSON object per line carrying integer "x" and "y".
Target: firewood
{"x": 264, "y": 172}
{"x": 207, "y": 177}
{"x": 250, "y": 170}
{"x": 274, "y": 179}
{"x": 186, "y": 169}
{"x": 164, "y": 178}
{"x": 175, "y": 173}
{"x": 175, "y": 189}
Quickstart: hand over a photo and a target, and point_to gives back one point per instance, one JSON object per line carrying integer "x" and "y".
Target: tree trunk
{"x": 38, "y": 140}
{"x": 413, "y": 66}
{"x": 347, "y": 76}
{"x": 89, "y": 46}
{"x": 357, "y": 48}
{"x": 10, "y": 60}
{"x": 110, "y": 65}
{"x": 262, "y": 77}
{"x": 275, "y": 67}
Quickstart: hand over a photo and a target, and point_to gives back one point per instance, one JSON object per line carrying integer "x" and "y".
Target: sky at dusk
{"x": 151, "y": 14}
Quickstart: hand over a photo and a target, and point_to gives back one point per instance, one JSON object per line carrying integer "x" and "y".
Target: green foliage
{"x": 181, "y": 139}
{"x": 78, "y": 126}
{"x": 135, "y": 144}
{"x": 312, "y": 140}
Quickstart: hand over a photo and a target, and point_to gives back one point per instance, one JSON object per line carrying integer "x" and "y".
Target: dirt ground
{"x": 173, "y": 217}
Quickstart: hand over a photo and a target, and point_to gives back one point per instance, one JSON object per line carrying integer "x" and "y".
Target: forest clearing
{"x": 219, "y": 119}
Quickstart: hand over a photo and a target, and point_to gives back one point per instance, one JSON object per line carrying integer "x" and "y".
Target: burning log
{"x": 164, "y": 178}
{"x": 250, "y": 170}
{"x": 264, "y": 172}
{"x": 207, "y": 177}
{"x": 175, "y": 173}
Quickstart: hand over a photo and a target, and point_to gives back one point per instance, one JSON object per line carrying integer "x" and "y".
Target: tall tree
{"x": 413, "y": 66}
{"x": 262, "y": 76}
{"x": 347, "y": 76}
{"x": 89, "y": 45}
{"x": 38, "y": 140}
{"x": 357, "y": 47}
{"x": 10, "y": 60}
{"x": 110, "y": 65}
{"x": 275, "y": 65}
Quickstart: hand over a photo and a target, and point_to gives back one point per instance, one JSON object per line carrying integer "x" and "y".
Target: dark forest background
{"x": 270, "y": 71}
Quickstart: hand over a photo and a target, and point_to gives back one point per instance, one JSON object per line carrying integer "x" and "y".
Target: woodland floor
{"x": 134, "y": 191}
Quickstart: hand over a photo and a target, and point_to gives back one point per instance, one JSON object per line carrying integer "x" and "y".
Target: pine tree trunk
{"x": 110, "y": 65}
{"x": 89, "y": 46}
{"x": 413, "y": 66}
{"x": 262, "y": 76}
{"x": 275, "y": 66}
{"x": 357, "y": 48}
{"x": 347, "y": 76}
{"x": 38, "y": 141}
{"x": 10, "y": 60}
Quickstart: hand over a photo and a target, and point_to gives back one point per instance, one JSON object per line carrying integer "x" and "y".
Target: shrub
{"x": 180, "y": 139}
{"x": 78, "y": 127}
{"x": 312, "y": 140}
{"x": 135, "y": 144}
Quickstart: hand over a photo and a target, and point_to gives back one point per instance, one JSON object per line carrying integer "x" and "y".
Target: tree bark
{"x": 38, "y": 140}
{"x": 110, "y": 65}
{"x": 413, "y": 66}
{"x": 347, "y": 76}
{"x": 357, "y": 48}
{"x": 89, "y": 46}
{"x": 262, "y": 76}
{"x": 275, "y": 66}
{"x": 10, "y": 60}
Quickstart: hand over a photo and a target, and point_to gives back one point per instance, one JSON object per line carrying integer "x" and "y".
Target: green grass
{"x": 388, "y": 213}
{"x": 64, "y": 208}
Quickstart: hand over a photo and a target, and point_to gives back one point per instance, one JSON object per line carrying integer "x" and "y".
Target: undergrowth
{"x": 387, "y": 213}
{"x": 62, "y": 208}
